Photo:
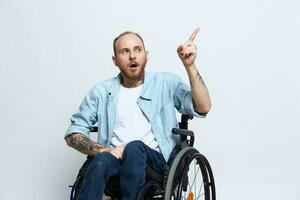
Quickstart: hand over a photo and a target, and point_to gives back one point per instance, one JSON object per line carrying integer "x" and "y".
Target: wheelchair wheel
{"x": 74, "y": 191}
{"x": 190, "y": 177}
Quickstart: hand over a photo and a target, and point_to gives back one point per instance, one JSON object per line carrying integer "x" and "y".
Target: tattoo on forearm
{"x": 83, "y": 144}
{"x": 198, "y": 76}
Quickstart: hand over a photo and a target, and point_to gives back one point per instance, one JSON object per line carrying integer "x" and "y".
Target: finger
{"x": 183, "y": 47}
{"x": 180, "y": 50}
{"x": 119, "y": 155}
{"x": 180, "y": 47}
{"x": 188, "y": 54}
{"x": 189, "y": 49}
{"x": 115, "y": 155}
{"x": 194, "y": 34}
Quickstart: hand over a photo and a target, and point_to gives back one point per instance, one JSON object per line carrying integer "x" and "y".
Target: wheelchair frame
{"x": 174, "y": 181}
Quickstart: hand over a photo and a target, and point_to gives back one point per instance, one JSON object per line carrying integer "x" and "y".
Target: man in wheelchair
{"x": 135, "y": 112}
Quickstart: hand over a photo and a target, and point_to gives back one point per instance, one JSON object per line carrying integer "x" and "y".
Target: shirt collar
{"x": 146, "y": 92}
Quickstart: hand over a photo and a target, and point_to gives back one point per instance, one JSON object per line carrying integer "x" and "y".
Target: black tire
{"x": 184, "y": 174}
{"x": 78, "y": 183}
{"x": 74, "y": 191}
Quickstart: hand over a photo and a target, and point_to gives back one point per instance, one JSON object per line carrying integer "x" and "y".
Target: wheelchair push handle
{"x": 179, "y": 131}
{"x": 187, "y": 136}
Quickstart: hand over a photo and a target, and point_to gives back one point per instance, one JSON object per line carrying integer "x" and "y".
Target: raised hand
{"x": 187, "y": 51}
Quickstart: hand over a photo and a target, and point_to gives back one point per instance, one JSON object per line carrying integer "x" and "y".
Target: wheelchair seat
{"x": 185, "y": 167}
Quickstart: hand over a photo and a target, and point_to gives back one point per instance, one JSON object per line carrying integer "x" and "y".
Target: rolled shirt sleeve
{"x": 184, "y": 100}
{"x": 86, "y": 116}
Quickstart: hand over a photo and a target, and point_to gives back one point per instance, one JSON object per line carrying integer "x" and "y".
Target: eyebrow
{"x": 135, "y": 47}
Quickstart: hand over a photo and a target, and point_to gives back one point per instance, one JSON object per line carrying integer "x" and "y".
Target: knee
{"x": 134, "y": 146}
{"x": 102, "y": 162}
{"x": 134, "y": 150}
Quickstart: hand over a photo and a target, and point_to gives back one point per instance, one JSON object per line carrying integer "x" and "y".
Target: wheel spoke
{"x": 183, "y": 197}
{"x": 200, "y": 190}
{"x": 194, "y": 174}
{"x": 184, "y": 175}
{"x": 195, "y": 177}
{"x": 199, "y": 196}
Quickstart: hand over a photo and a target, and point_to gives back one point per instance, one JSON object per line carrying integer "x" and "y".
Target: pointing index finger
{"x": 194, "y": 34}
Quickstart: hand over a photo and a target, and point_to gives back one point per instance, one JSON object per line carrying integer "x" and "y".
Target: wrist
{"x": 191, "y": 70}
{"x": 188, "y": 65}
{"x": 104, "y": 149}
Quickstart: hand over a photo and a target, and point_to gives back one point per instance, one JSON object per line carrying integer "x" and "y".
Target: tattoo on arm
{"x": 83, "y": 144}
{"x": 198, "y": 76}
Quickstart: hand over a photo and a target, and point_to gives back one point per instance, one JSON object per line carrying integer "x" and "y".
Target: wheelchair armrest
{"x": 187, "y": 136}
{"x": 94, "y": 129}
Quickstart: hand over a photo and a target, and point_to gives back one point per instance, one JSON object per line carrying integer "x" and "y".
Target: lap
{"x": 135, "y": 152}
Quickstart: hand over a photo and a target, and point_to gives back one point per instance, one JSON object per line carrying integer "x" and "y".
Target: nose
{"x": 132, "y": 56}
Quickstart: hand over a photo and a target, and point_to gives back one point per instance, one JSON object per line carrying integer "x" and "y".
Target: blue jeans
{"x": 131, "y": 170}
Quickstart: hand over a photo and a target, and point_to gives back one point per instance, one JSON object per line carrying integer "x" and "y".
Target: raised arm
{"x": 187, "y": 53}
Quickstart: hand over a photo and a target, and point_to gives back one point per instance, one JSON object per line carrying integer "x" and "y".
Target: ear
{"x": 147, "y": 56}
{"x": 114, "y": 60}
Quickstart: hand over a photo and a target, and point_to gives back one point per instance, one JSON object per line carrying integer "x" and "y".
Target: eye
{"x": 138, "y": 49}
{"x": 124, "y": 51}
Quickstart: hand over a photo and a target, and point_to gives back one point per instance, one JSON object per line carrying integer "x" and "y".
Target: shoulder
{"x": 164, "y": 76}
{"x": 102, "y": 87}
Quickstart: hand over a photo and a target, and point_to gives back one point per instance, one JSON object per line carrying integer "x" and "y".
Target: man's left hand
{"x": 187, "y": 51}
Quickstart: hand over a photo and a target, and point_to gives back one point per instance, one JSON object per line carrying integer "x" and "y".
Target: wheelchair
{"x": 187, "y": 175}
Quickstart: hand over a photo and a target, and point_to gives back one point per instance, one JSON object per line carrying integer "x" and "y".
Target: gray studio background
{"x": 53, "y": 52}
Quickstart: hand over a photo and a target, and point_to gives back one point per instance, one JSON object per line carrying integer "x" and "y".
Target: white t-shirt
{"x": 131, "y": 123}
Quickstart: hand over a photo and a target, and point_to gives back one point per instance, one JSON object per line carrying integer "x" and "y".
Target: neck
{"x": 131, "y": 83}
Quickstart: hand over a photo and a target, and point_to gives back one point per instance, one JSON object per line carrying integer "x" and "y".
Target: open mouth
{"x": 133, "y": 65}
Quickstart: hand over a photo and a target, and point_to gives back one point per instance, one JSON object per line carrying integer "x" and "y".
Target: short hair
{"x": 125, "y": 33}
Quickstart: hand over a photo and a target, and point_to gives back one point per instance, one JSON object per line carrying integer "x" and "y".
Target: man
{"x": 135, "y": 112}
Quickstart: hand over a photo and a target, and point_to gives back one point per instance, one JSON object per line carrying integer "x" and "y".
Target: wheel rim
{"x": 200, "y": 184}
{"x": 191, "y": 186}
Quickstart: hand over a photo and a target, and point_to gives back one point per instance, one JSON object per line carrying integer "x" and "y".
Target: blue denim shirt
{"x": 161, "y": 94}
